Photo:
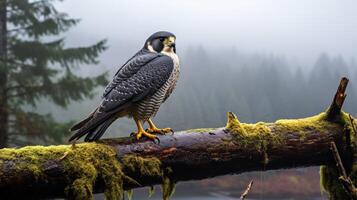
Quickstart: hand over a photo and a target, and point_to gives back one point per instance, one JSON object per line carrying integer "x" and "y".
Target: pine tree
{"x": 35, "y": 65}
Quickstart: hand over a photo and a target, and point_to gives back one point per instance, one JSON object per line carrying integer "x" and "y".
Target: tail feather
{"x": 78, "y": 134}
{"x": 80, "y": 124}
{"x": 99, "y": 131}
{"x": 93, "y": 132}
{"x": 96, "y": 124}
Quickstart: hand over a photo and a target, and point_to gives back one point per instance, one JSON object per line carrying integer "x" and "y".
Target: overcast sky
{"x": 297, "y": 29}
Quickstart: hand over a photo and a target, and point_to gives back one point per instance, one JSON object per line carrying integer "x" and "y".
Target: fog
{"x": 262, "y": 59}
{"x": 235, "y": 34}
{"x": 299, "y": 30}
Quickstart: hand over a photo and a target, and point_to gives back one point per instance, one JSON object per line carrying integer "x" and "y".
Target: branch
{"x": 338, "y": 160}
{"x": 114, "y": 165}
{"x": 187, "y": 155}
{"x": 337, "y": 103}
{"x": 246, "y": 191}
{"x": 344, "y": 179}
{"x": 353, "y": 125}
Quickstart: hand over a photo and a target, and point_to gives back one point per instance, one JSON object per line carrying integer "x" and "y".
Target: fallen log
{"x": 114, "y": 165}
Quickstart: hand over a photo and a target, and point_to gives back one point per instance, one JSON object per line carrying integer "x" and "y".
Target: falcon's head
{"x": 161, "y": 41}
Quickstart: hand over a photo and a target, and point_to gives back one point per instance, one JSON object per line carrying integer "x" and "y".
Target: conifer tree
{"x": 36, "y": 65}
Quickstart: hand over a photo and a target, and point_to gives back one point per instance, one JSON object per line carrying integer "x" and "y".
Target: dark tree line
{"x": 35, "y": 64}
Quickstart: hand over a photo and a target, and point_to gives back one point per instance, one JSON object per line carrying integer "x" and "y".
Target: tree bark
{"x": 3, "y": 76}
{"x": 190, "y": 155}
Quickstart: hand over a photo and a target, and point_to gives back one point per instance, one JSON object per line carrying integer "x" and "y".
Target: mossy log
{"x": 114, "y": 165}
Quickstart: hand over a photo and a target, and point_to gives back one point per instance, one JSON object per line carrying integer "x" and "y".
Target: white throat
{"x": 173, "y": 56}
{"x": 166, "y": 51}
{"x": 150, "y": 48}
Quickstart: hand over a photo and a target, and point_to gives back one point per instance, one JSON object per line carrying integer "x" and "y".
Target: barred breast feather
{"x": 149, "y": 106}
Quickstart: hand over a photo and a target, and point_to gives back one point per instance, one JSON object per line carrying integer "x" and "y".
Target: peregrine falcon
{"x": 137, "y": 90}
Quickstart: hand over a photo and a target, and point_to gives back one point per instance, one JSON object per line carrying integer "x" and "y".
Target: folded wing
{"x": 138, "y": 79}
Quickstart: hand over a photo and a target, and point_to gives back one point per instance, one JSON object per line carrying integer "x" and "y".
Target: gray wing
{"x": 130, "y": 88}
{"x": 145, "y": 82}
{"x": 129, "y": 69}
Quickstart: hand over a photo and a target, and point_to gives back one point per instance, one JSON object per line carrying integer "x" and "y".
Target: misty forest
{"x": 54, "y": 67}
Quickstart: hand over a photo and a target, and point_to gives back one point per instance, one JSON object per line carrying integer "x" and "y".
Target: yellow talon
{"x": 159, "y": 131}
{"x": 146, "y": 134}
{"x": 141, "y": 132}
{"x": 153, "y": 129}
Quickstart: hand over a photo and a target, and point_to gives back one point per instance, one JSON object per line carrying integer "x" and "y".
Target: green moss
{"x": 344, "y": 120}
{"x": 329, "y": 176}
{"x": 168, "y": 188}
{"x": 200, "y": 130}
{"x": 129, "y": 194}
{"x": 83, "y": 166}
{"x": 234, "y": 126}
{"x": 151, "y": 167}
{"x": 329, "y": 182}
{"x": 151, "y": 191}
{"x": 148, "y": 167}
{"x": 260, "y": 136}
{"x": 80, "y": 189}
{"x": 302, "y": 126}
{"x": 28, "y": 159}
{"x": 257, "y": 136}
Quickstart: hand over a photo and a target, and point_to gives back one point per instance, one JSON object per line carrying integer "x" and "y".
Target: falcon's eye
{"x": 162, "y": 39}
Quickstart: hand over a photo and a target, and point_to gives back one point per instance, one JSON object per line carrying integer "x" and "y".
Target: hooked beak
{"x": 170, "y": 42}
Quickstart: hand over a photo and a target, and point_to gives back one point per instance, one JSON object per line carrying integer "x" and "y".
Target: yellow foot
{"x": 160, "y": 131}
{"x": 142, "y": 133}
